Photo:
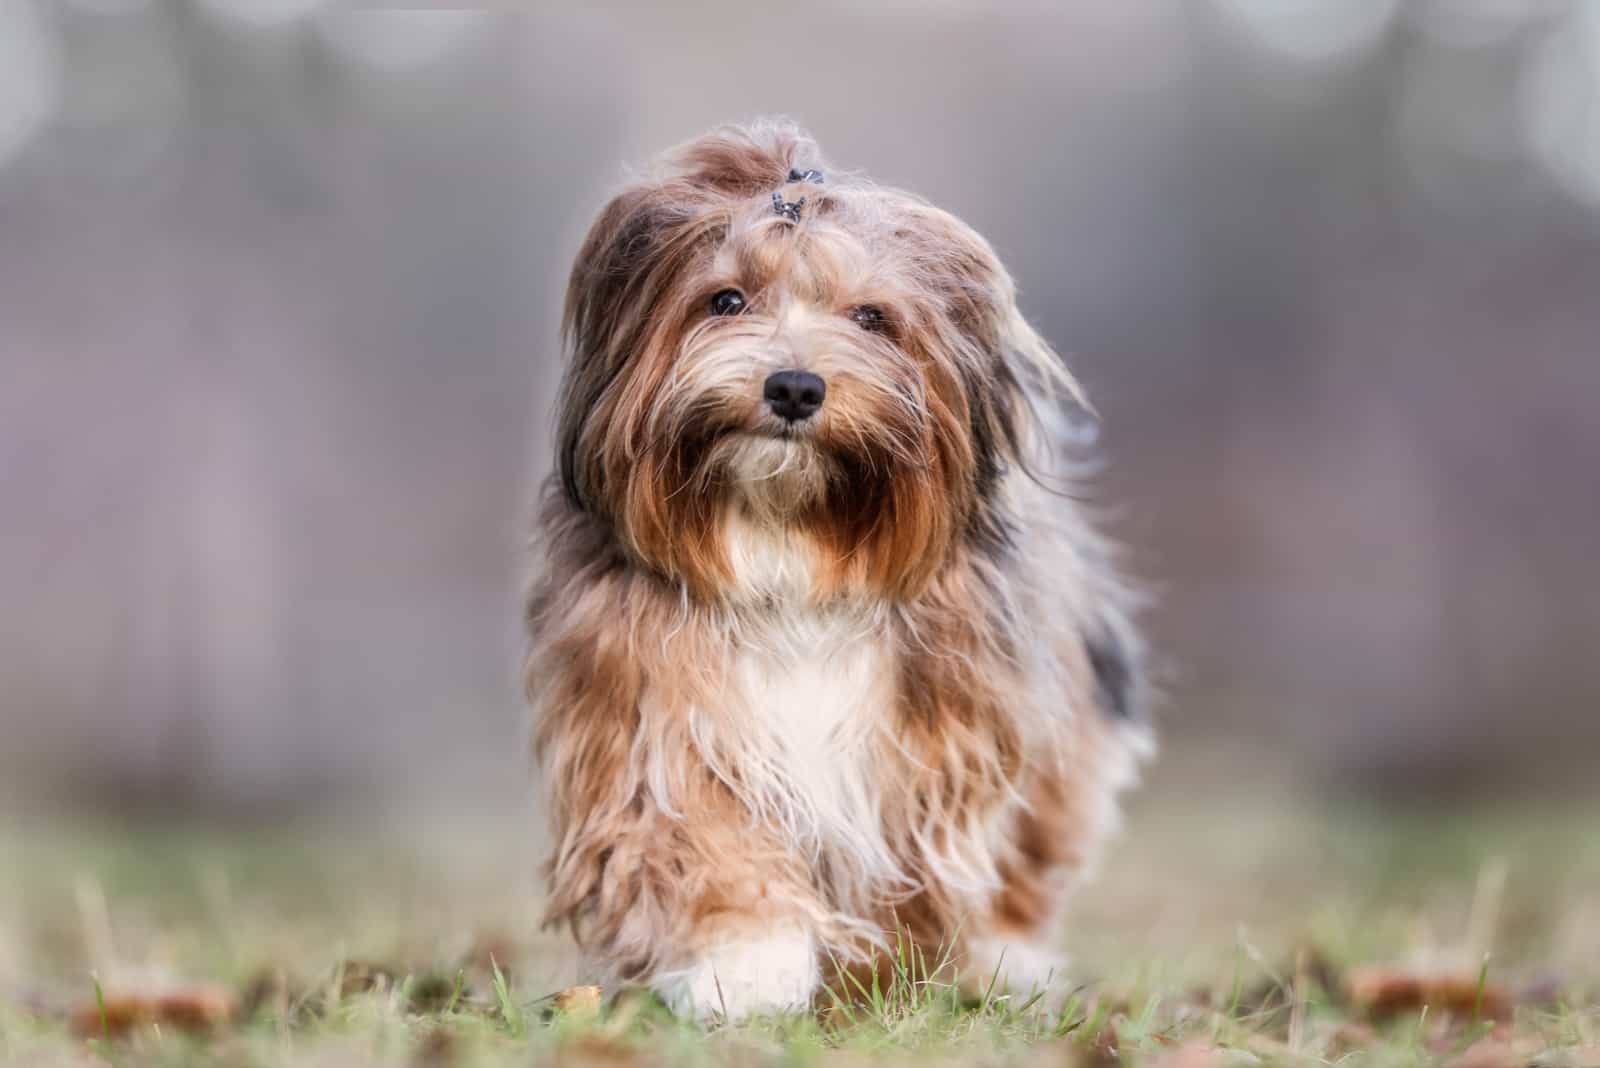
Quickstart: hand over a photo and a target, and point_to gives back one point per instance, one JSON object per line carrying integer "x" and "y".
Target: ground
{"x": 1236, "y": 922}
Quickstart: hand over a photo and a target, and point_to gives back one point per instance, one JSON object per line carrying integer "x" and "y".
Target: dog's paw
{"x": 1014, "y": 966}
{"x": 774, "y": 972}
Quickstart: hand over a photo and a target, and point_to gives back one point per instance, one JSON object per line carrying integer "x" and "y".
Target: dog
{"x": 825, "y": 656}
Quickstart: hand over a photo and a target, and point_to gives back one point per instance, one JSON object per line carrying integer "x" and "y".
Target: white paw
{"x": 774, "y": 973}
{"x": 1015, "y": 966}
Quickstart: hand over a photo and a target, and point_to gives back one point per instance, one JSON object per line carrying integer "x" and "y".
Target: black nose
{"x": 794, "y": 395}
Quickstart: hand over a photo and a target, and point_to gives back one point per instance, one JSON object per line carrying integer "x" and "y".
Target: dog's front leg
{"x": 706, "y": 911}
{"x": 745, "y": 969}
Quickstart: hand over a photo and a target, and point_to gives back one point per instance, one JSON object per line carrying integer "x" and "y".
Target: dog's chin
{"x": 775, "y": 474}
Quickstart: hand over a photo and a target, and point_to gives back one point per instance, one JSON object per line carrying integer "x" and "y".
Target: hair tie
{"x": 788, "y": 209}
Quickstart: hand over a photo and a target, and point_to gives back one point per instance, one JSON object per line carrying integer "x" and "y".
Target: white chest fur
{"x": 809, "y": 692}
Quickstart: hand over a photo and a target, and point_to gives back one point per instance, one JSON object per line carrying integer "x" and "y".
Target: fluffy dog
{"x": 822, "y": 654}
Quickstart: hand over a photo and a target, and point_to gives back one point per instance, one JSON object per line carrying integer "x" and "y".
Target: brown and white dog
{"x": 822, "y": 655}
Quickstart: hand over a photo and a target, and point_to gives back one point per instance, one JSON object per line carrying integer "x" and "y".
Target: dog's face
{"x": 824, "y": 357}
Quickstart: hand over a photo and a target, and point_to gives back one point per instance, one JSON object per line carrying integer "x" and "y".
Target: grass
{"x": 1227, "y": 926}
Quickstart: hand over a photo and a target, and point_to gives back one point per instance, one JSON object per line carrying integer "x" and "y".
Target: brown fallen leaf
{"x": 1383, "y": 991}
{"x": 597, "y": 1051}
{"x": 194, "y": 1009}
{"x": 577, "y": 1000}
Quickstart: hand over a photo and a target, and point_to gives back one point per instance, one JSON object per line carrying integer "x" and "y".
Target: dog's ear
{"x": 619, "y": 301}
{"x": 1012, "y": 379}
{"x": 595, "y": 324}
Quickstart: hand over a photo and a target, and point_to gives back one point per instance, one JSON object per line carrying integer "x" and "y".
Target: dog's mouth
{"x": 769, "y": 429}
{"x": 774, "y": 445}
{"x": 778, "y": 468}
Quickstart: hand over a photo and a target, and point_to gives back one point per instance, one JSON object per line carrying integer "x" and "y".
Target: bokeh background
{"x": 279, "y": 286}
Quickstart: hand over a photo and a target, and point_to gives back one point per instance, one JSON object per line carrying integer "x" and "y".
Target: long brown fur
{"x": 700, "y": 561}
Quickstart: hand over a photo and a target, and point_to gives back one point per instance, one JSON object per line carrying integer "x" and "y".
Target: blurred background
{"x": 279, "y": 287}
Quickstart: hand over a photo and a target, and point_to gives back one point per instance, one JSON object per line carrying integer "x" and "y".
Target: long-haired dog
{"x": 822, "y": 656}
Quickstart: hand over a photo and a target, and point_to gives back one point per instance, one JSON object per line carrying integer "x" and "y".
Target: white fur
{"x": 771, "y": 564}
{"x": 812, "y": 686}
{"x": 1018, "y": 966}
{"x": 773, "y": 973}
{"x": 815, "y": 686}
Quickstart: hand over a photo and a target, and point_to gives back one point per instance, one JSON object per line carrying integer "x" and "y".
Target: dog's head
{"x": 751, "y": 335}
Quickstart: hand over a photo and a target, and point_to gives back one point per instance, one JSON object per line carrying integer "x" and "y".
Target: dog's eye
{"x": 870, "y": 317}
{"x": 727, "y": 302}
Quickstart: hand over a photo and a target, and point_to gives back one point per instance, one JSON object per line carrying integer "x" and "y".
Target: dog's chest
{"x": 816, "y": 684}
{"x": 810, "y": 689}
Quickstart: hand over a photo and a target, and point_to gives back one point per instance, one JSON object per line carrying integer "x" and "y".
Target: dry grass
{"x": 1231, "y": 926}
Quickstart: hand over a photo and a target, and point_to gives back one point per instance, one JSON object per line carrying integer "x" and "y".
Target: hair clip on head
{"x": 788, "y": 209}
